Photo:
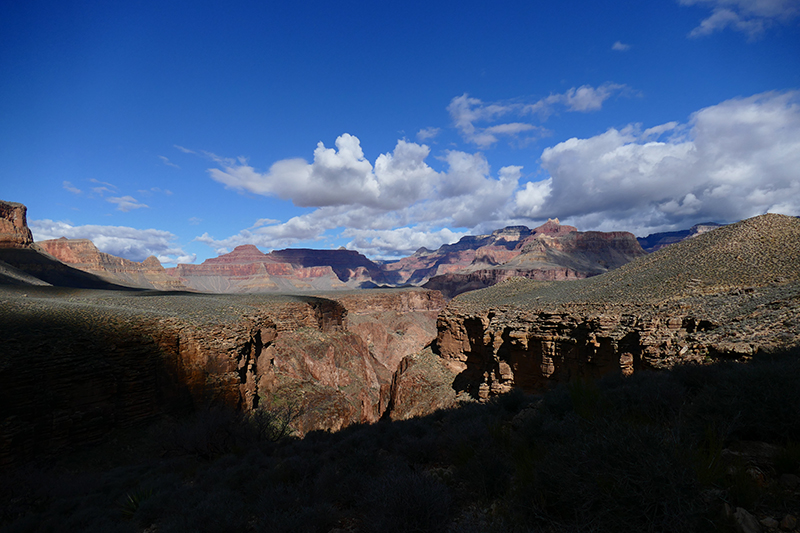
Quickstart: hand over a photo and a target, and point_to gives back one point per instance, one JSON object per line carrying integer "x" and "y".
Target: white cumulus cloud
{"x": 731, "y": 161}
{"x": 400, "y": 191}
{"x": 468, "y": 113}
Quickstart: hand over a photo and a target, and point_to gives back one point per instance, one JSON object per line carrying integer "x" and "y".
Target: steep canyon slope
{"x": 728, "y": 293}
{"x": 76, "y": 364}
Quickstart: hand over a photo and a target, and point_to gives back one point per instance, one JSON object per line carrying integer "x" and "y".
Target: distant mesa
{"x": 246, "y": 269}
{"x": 84, "y": 255}
{"x": 656, "y": 241}
{"x": 552, "y": 252}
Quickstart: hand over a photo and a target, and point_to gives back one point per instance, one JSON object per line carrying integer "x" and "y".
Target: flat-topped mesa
{"x": 14, "y": 231}
{"x": 247, "y": 269}
{"x": 345, "y": 263}
{"x": 728, "y": 293}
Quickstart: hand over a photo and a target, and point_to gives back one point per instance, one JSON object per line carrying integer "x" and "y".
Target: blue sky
{"x": 183, "y": 129}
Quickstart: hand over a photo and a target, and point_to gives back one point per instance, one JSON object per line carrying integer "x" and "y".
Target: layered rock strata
{"x": 77, "y": 363}
{"x": 247, "y": 269}
{"x": 552, "y": 252}
{"x": 84, "y": 255}
{"x": 729, "y": 293}
{"x": 14, "y": 231}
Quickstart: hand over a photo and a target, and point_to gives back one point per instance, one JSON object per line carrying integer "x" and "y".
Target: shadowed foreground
{"x": 668, "y": 451}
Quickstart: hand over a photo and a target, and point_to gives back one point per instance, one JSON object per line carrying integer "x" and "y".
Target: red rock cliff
{"x": 14, "y": 231}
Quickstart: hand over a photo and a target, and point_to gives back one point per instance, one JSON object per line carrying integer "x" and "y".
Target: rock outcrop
{"x": 393, "y": 323}
{"x": 552, "y": 252}
{"x": 498, "y": 247}
{"x": 729, "y": 293}
{"x": 14, "y": 231}
{"x": 84, "y": 255}
{"x": 76, "y": 363}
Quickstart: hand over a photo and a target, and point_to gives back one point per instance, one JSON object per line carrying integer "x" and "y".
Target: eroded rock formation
{"x": 77, "y": 363}
{"x": 14, "y": 231}
{"x": 247, "y": 269}
{"x": 84, "y": 255}
{"x": 728, "y": 293}
{"x": 552, "y": 252}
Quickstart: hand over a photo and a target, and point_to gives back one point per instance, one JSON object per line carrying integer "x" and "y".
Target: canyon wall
{"x": 730, "y": 293}
{"x": 77, "y": 363}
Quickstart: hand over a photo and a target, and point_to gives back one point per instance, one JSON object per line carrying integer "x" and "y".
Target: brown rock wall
{"x": 76, "y": 364}
{"x": 730, "y": 293}
{"x": 14, "y": 231}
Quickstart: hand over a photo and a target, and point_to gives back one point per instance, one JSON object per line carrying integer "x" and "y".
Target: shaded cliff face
{"x": 725, "y": 294}
{"x": 77, "y": 363}
{"x": 84, "y": 255}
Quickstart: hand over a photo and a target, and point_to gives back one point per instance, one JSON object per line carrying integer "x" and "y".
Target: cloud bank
{"x": 730, "y": 161}
{"x": 467, "y": 113}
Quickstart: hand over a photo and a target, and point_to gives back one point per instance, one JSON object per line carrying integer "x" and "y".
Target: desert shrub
{"x": 755, "y": 401}
{"x": 215, "y": 431}
{"x": 645, "y": 397}
{"x": 610, "y": 476}
{"x": 405, "y": 500}
{"x": 788, "y": 459}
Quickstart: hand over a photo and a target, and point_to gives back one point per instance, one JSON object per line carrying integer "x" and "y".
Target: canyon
{"x": 83, "y": 356}
{"x": 730, "y": 293}
{"x": 551, "y": 251}
{"x": 78, "y": 363}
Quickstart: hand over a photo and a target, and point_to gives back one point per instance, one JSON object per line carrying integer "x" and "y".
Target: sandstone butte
{"x": 726, "y": 294}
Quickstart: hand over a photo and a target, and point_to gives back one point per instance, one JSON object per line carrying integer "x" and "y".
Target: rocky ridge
{"x": 552, "y": 252}
{"x": 728, "y": 293}
{"x": 247, "y": 269}
{"x": 84, "y": 255}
